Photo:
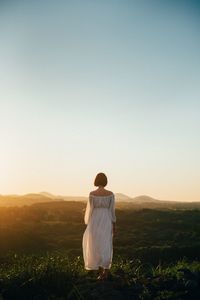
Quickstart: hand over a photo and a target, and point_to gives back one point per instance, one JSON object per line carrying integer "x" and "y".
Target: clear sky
{"x": 100, "y": 86}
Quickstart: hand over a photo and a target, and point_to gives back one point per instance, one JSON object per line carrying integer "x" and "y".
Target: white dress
{"x": 98, "y": 236}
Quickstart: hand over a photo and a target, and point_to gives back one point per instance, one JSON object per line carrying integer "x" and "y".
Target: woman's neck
{"x": 101, "y": 188}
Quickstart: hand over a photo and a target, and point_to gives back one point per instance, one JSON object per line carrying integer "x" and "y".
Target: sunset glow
{"x": 100, "y": 86}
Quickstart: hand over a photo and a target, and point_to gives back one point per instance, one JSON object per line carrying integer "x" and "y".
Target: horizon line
{"x": 61, "y": 195}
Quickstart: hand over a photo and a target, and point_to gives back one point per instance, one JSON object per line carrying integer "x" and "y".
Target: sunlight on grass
{"x": 57, "y": 276}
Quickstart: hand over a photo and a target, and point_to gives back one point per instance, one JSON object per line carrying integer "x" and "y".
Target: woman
{"x": 100, "y": 220}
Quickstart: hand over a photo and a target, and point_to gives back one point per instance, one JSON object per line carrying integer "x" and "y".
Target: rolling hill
{"x": 122, "y": 201}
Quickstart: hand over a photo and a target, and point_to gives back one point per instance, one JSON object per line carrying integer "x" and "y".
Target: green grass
{"x": 54, "y": 275}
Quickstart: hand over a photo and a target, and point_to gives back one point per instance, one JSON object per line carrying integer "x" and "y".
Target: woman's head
{"x": 100, "y": 179}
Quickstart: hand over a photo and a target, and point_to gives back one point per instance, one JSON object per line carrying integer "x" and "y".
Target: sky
{"x": 100, "y": 86}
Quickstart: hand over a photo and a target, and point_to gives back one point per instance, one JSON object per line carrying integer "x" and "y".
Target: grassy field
{"x": 156, "y": 254}
{"x": 56, "y": 276}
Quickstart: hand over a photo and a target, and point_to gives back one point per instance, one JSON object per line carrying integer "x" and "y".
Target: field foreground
{"x": 54, "y": 275}
{"x": 156, "y": 254}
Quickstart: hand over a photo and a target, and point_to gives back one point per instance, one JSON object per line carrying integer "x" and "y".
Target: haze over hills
{"x": 122, "y": 197}
{"x": 31, "y": 198}
{"x": 139, "y": 199}
{"x": 28, "y": 199}
{"x": 122, "y": 200}
{"x": 144, "y": 198}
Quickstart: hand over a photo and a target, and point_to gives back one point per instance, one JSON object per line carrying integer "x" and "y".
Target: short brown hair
{"x": 100, "y": 179}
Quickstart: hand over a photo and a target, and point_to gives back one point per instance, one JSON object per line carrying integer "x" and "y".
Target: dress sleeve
{"x": 88, "y": 211}
{"x": 112, "y": 209}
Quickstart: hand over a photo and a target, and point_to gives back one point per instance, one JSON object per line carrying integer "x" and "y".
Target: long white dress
{"x": 98, "y": 236}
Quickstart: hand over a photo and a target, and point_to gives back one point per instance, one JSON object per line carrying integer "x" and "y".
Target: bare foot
{"x": 105, "y": 274}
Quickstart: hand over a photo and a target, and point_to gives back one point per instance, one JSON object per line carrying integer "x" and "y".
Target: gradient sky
{"x": 100, "y": 86}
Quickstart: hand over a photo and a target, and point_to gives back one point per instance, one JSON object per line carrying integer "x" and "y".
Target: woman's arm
{"x": 112, "y": 212}
{"x": 112, "y": 209}
{"x": 114, "y": 228}
{"x": 88, "y": 211}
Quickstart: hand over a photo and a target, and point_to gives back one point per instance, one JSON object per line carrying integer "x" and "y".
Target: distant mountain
{"x": 138, "y": 199}
{"x": 27, "y": 199}
{"x": 61, "y": 197}
{"x": 32, "y": 196}
{"x": 49, "y": 195}
{"x": 72, "y": 198}
{"x": 122, "y": 197}
{"x": 144, "y": 198}
{"x": 142, "y": 201}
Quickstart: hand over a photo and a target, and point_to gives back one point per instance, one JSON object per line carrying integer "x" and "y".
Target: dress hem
{"x": 97, "y": 268}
